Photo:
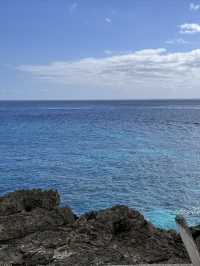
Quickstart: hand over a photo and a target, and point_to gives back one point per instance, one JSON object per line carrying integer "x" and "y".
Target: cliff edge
{"x": 34, "y": 230}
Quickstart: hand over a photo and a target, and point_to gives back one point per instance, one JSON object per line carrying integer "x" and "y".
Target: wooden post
{"x": 188, "y": 240}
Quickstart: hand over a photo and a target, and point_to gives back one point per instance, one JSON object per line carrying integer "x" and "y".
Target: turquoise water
{"x": 145, "y": 154}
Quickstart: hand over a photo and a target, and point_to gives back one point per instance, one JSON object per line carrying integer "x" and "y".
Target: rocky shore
{"x": 34, "y": 230}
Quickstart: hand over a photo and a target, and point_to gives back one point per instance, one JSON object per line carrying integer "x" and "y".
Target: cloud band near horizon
{"x": 144, "y": 69}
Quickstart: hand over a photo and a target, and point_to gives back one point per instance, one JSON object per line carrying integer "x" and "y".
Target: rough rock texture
{"x": 34, "y": 230}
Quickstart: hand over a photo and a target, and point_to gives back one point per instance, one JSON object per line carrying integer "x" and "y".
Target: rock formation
{"x": 34, "y": 230}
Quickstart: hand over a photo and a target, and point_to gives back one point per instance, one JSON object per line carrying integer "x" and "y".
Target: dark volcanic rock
{"x": 27, "y": 200}
{"x": 34, "y": 230}
{"x": 20, "y": 224}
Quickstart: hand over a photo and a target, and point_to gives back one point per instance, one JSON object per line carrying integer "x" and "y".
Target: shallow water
{"x": 145, "y": 154}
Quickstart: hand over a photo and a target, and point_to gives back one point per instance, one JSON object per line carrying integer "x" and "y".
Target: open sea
{"x": 144, "y": 154}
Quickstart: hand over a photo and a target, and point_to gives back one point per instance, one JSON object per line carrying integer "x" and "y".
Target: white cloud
{"x": 189, "y": 28}
{"x": 115, "y": 52}
{"x": 194, "y": 7}
{"x": 108, "y": 20}
{"x": 144, "y": 70}
{"x": 177, "y": 41}
{"x": 73, "y": 7}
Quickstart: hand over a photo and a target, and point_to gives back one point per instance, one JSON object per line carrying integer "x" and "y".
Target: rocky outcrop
{"x": 34, "y": 230}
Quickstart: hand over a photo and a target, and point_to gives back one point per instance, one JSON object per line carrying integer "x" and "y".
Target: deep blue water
{"x": 145, "y": 154}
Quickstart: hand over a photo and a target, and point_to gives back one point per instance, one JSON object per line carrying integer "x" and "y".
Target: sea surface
{"x": 144, "y": 154}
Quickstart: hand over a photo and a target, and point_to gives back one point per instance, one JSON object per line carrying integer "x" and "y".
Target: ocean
{"x": 144, "y": 154}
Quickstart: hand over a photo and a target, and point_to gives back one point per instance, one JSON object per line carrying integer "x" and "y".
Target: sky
{"x": 99, "y": 49}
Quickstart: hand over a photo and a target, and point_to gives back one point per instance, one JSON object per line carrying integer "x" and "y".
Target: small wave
{"x": 170, "y": 107}
{"x": 64, "y": 108}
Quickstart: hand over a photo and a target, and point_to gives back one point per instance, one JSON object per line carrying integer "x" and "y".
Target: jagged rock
{"x": 34, "y": 230}
{"x": 10, "y": 255}
{"x": 27, "y": 200}
{"x": 20, "y": 224}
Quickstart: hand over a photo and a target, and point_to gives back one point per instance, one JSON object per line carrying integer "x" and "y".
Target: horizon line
{"x": 84, "y": 100}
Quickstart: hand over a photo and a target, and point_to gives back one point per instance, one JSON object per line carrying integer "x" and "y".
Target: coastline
{"x": 36, "y": 231}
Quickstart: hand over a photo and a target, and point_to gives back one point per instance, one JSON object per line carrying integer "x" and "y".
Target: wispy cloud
{"x": 189, "y": 28}
{"x": 194, "y": 7}
{"x": 73, "y": 7}
{"x": 108, "y": 52}
{"x": 176, "y": 41}
{"x": 140, "y": 70}
{"x": 113, "y": 52}
{"x": 108, "y": 20}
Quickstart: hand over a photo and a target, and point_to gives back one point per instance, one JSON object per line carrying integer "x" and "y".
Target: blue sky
{"x": 99, "y": 49}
